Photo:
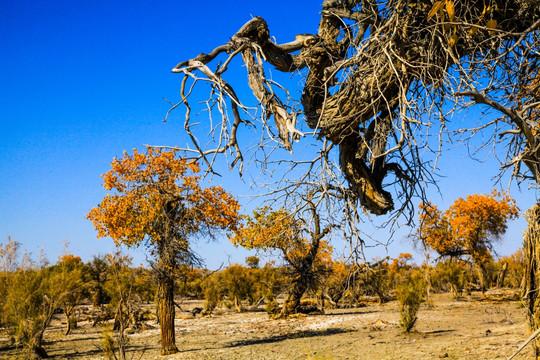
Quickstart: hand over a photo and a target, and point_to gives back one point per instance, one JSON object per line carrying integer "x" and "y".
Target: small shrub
{"x": 270, "y": 281}
{"x": 113, "y": 349}
{"x": 410, "y": 294}
{"x": 108, "y": 344}
{"x": 252, "y": 262}
{"x": 213, "y": 294}
{"x": 191, "y": 282}
{"x": 452, "y": 276}
{"x": 239, "y": 284}
{"x": 376, "y": 282}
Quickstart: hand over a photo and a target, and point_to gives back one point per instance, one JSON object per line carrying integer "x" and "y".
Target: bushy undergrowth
{"x": 32, "y": 292}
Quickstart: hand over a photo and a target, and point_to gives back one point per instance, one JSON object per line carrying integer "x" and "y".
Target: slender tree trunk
{"x": 117, "y": 318}
{"x": 122, "y": 341}
{"x": 97, "y": 297}
{"x": 531, "y": 280}
{"x": 68, "y": 320}
{"x": 238, "y": 304}
{"x": 502, "y": 275}
{"x": 37, "y": 339}
{"x": 482, "y": 274}
{"x": 166, "y": 314}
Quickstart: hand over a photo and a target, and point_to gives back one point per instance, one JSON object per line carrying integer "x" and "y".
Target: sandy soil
{"x": 471, "y": 328}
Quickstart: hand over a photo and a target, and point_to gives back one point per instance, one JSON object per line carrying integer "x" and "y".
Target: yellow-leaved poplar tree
{"x": 269, "y": 230}
{"x": 157, "y": 200}
{"x": 468, "y": 227}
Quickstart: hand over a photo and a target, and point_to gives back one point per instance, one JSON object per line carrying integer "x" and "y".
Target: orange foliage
{"x": 69, "y": 259}
{"x": 468, "y": 226}
{"x": 400, "y": 262}
{"x": 151, "y": 189}
{"x": 278, "y": 230}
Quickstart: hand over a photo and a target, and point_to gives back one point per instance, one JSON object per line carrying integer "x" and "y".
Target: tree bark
{"x": 97, "y": 297}
{"x": 292, "y": 303}
{"x": 67, "y": 312}
{"x": 483, "y": 277}
{"x": 531, "y": 250}
{"x": 166, "y": 314}
{"x": 502, "y": 275}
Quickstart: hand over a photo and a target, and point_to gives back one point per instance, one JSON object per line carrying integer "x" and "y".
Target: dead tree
{"x": 376, "y": 72}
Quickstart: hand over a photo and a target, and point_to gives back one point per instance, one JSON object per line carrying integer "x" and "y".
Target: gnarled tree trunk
{"x": 292, "y": 303}
{"x": 531, "y": 280}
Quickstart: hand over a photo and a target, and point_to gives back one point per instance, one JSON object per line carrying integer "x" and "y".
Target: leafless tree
{"x": 373, "y": 76}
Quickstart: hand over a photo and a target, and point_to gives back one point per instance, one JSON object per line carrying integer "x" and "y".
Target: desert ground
{"x": 475, "y": 327}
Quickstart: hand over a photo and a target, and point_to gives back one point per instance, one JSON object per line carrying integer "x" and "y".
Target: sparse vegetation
{"x": 32, "y": 296}
{"x": 410, "y": 294}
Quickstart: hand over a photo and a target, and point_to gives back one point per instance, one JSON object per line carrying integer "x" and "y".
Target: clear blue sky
{"x": 82, "y": 81}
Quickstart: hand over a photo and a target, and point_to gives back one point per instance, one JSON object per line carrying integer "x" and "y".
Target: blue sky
{"x": 82, "y": 81}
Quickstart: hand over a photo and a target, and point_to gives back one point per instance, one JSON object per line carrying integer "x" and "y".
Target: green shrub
{"x": 239, "y": 284}
{"x": 452, "y": 276}
{"x": 213, "y": 294}
{"x": 410, "y": 294}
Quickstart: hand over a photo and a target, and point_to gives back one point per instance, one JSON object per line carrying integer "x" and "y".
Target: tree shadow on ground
{"x": 346, "y": 313}
{"x": 294, "y": 335}
{"x": 72, "y": 339}
{"x": 435, "y": 332}
{"x": 132, "y": 352}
